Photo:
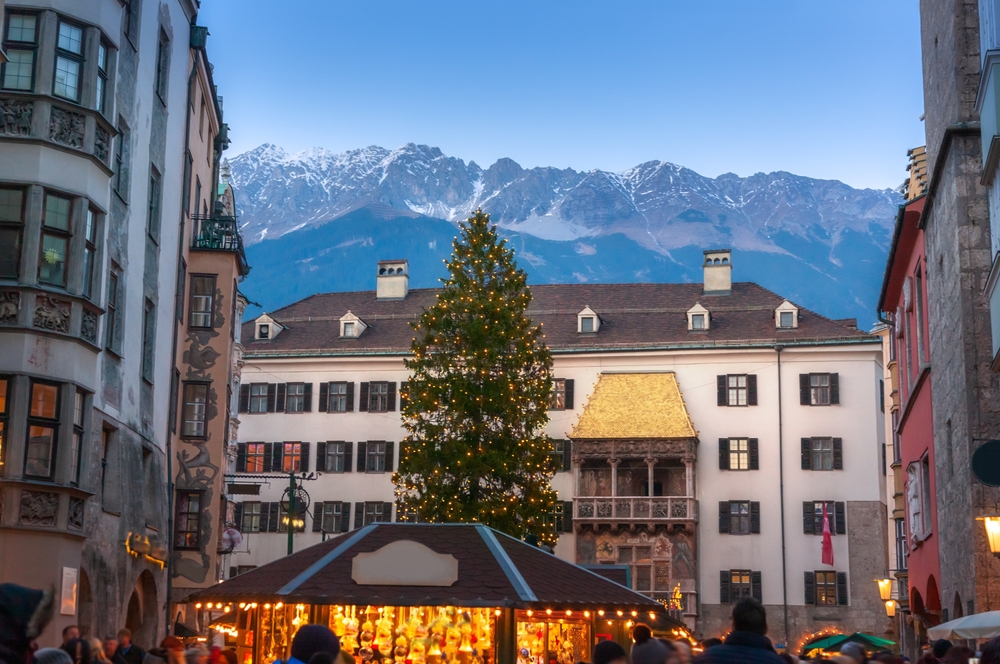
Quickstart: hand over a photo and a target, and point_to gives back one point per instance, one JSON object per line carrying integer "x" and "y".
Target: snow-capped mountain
{"x": 823, "y": 226}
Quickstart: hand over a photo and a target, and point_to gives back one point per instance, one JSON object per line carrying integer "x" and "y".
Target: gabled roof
{"x": 494, "y": 570}
{"x": 635, "y": 406}
{"x": 633, "y": 316}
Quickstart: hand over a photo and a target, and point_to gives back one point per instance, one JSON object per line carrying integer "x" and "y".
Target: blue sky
{"x": 823, "y": 89}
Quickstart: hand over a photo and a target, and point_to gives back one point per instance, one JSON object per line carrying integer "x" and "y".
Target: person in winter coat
{"x": 97, "y": 655}
{"x": 128, "y": 651}
{"x": 609, "y": 652}
{"x": 311, "y": 639}
{"x": 747, "y": 643}
{"x": 24, "y": 613}
{"x": 79, "y": 651}
{"x": 646, "y": 649}
{"x": 50, "y": 656}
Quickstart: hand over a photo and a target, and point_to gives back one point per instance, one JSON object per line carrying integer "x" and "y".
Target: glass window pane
{"x": 43, "y": 400}
{"x": 57, "y": 212}
{"x": 3, "y": 395}
{"x": 38, "y": 460}
{"x": 17, "y": 71}
{"x": 78, "y": 409}
{"x": 102, "y": 57}
{"x": 10, "y": 253}
{"x": 67, "y": 82}
{"x": 70, "y": 38}
{"x": 52, "y": 266}
{"x": 99, "y": 97}
{"x": 11, "y": 204}
{"x": 21, "y": 28}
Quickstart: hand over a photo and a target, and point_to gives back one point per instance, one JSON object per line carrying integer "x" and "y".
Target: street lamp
{"x": 890, "y": 608}
{"x": 885, "y": 589}
{"x": 992, "y": 524}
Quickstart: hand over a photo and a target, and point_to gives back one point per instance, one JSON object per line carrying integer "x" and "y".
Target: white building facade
{"x": 699, "y": 432}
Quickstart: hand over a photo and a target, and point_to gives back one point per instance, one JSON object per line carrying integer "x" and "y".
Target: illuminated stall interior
{"x": 426, "y": 593}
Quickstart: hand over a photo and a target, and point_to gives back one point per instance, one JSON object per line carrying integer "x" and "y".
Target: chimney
{"x": 393, "y": 282}
{"x": 718, "y": 272}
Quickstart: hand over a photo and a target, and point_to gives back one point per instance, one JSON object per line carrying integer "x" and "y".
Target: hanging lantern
{"x": 885, "y": 589}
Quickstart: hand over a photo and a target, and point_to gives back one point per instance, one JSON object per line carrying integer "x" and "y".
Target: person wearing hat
{"x": 311, "y": 639}
{"x": 51, "y": 656}
{"x": 24, "y": 613}
{"x": 855, "y": 651}
{"x": 609, "y": 652}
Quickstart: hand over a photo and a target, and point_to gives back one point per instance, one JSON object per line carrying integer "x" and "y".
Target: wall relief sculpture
{"x": 38, "y": 508}
{"x": 52, "y": 314}
{"x": 76, "y": 513}
{"x": 66, "y": 128}
{"x": 10, "y": 302}
{"x": 102, "y": 144}
{"x": 15, "y": 117}
{"x": 88, "y": 325}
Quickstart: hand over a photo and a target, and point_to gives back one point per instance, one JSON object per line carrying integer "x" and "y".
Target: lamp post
{"x": 992, "y": 525}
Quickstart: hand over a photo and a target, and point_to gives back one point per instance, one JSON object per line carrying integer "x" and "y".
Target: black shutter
{"x": 725, "y": 578}
{"x": 569, "y": 393}
{"x": 754, "y": 447}
{"x": 350, "y": 398}
{"x": 304, "y": 458}
{"x": 752, "y": 390}
{"x": 348, "y": 457}
{"x": 834, "y": 388}
{"x": 840, "y": 518}
{"x": 567, "y": 455}
{"x": 404, "y": 395}
{"x": 324, "y": 397}
{"x": 838, "y": 453}
{"x": 321, "y": 457}
{"x": 345, "y": 517}
{"x": 277, "y": 455}
{"x": 804, "y": 389}
{"x": 272, "y": 517}
{"x": 723, "y": 454}
{"x": 363, "y": 406}
{"x": 244, "y": 398}
{"x": 568, "y": 516}
{"x": 842, "y": 588}
{"x": 808, "y": 518}
{"x": 359, "y": 515}
{"x": 755, "y": 517}
{"x": 267, "y": 457}
{"x": 307, "y": 398}
{"x": 387, "y": 512}
{"x": 241, "y": 457}
{"x": 272, "y": 395}
{"x": 390, "y": 452}
{"x": 807, "y": 454}
{"x": 755, "y": 586}
{"x": 238, "y": 516}
{"x": 810, "y": 588}
{"x": 317, "y": 516}
{"x": 391, "y": 399}
{"x": 279, "y": 401}
{"x": 362, "y": 455}
{"x": 723, "y": 516}
{"x": 721, "y": 389}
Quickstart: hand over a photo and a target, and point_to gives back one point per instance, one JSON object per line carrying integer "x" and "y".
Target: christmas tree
{"x": 481, "y": 376}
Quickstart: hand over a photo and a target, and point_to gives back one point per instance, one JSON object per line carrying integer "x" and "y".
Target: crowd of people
{"x": 119, "y": 649}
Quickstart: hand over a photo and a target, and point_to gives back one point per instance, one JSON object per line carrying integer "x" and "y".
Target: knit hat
{"x": 52, "y": 656}
{"x": 311, "y": 639}
{"x": 606, "y": 652}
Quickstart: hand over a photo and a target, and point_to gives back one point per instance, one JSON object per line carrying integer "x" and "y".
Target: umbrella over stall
{"x": 977, "y": 626}
{"x": 417, "y": 591}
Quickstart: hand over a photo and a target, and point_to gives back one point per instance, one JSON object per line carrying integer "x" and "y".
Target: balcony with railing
{"x": 635, "y": 490}
{"x": 642, "y": 508}
{"x": 218, "y": 233}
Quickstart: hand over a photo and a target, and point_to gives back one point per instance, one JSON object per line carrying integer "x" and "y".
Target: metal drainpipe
{"x": 173, "y": 346}
{"x": 781, "y": 483}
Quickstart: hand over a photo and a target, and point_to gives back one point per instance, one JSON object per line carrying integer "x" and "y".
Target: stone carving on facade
{"x": 102, "y": 144}
{"x": 10, "y": 302}
{"x": 52, "y": 314}
{"x": 15, "y": 117}
{"x": 66, "y": 128}
{"x": 88, "y": 325}
{"x": 633, "y": 449}
{"x": 38, "y": 508}
{"x": 76, "y": 506}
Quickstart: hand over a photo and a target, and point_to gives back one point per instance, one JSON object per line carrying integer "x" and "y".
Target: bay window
{"x": 11, "y": 231}
{"x": 55, "y": 241}
{"x": 19, "y": 44}
{"x": 43, "y": 430}
{"x": 69, "y": 62}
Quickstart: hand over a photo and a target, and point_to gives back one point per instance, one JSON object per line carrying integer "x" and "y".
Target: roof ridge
{"x": 327, "y": 558}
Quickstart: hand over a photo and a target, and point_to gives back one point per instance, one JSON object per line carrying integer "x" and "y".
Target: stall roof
{"x": 493, "y": 570}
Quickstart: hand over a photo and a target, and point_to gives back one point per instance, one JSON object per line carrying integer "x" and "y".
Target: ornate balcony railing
{"x": 660, "y": 508}
{"x": 218, "y": 233}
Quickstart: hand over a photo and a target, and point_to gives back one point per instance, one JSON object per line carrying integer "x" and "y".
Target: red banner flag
{"x": 827, "y": 539}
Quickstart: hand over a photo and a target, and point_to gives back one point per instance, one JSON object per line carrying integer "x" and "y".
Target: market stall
{"x": 428, "y": 594}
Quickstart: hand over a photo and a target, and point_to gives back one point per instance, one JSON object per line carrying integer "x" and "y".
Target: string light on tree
{"x": 481, "y": 377}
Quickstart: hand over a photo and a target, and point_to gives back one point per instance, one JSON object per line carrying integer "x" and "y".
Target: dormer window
{"x": 266, "y": 328}
{"x": 699, "y": 319}
{"x": 786, "y": 316}
{"x": 264, "y": 331}
{"x": 587, "y": 321}
{"x": 351, "y": 327}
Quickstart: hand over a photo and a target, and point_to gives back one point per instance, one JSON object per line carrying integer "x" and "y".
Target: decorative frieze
{"x": 15, "y": 117}
{"x": 10, "y": 303}
{"x": 51, "y": 314}
{"x": 76, "y": 508}
{"x": 38, "y": 508}
{"x": 102, "y": 144}
{"x": 88, "y": 325}
{"x": 66, "y": 128}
